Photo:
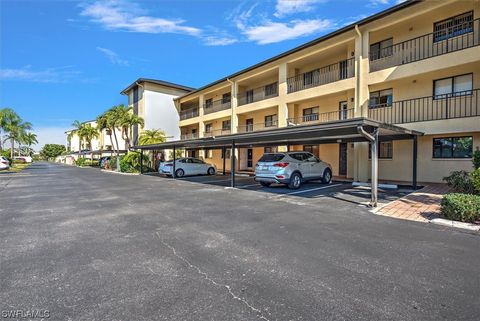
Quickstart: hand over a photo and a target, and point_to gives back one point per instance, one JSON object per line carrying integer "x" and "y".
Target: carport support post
{"x": 374, "y": 169}
{"x": 174, "y": 159}
{"x": 414, "y": 169}
{"x": 232, "y": 165}
{"x": 141, "y": 161}
{"x": 224, "y": 159}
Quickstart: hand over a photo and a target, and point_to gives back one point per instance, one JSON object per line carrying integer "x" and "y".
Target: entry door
{"x": 343, "y": 110}
{"x": 342, "y": 163}
{"x": 249, "y": 125}
{"x": 249, "y": 158}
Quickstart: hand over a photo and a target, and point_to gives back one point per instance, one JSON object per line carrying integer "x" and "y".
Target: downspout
{"x": 357, "y": 72}
{"x": 373, "y": 139}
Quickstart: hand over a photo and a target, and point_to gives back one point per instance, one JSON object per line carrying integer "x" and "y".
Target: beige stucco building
{"x": 416, "y": 65}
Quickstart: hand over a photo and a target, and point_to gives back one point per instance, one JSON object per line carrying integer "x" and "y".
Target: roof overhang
{"x": 343, "y": 131}
{"x": 101, "y": 151}
{"x": 156, "y": 82}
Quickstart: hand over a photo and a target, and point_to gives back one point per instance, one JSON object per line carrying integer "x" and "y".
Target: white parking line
{"x": 312, "y": 189}
{"x": 245, "y": 186}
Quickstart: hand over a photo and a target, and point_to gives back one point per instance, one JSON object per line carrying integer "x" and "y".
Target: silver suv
{"x": 291, "y": 168}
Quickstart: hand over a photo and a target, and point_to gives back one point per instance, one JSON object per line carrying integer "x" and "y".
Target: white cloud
{"x": 48, "y": 75}
{"x": 286, "y": 7}
{"x": 271, "y": 32}
{"x": 219, "y": 41}
{"x": 113, "y": 56}
{"x": 128, "y": 16}
{"x": 376, "y": 3}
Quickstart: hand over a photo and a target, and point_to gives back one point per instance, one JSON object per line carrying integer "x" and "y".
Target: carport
{"x": 345, "y": 131}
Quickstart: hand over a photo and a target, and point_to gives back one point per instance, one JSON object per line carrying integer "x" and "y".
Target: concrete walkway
{"x": 420, "y": 206}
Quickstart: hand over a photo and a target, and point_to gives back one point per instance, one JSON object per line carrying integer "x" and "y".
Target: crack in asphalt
{"x": 257, "y": 311}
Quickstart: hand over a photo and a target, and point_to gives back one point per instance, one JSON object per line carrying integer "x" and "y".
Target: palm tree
{"x": 77, "y": 125}
{"x": 152, "y": 136}
{"x": 15, "y": 128}
{"x": 29, "y": 139}
{"x": 7, "y": 115}
{"x": 88, "y": 133}
{"x": 102, "y": 124}
{"x": 127, "y": 122}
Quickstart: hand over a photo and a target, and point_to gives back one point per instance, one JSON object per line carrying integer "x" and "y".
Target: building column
{"x": 234, "y": 103}
{"x": 361, "y": 74}
{"x": 360, "y": 162}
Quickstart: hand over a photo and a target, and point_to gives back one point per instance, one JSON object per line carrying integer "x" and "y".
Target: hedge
{"x": 461, "y": 207}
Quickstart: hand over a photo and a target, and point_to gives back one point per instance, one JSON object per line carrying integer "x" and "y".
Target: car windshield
{"x": 271, "y": 157}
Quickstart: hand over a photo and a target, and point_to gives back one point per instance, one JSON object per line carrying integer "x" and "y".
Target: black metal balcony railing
{"x": 257, "y": 126}
{"x": 324, "y": 75}
{"x": 322, "y": 117}
{"x": 217, "y": 132}
{"x": 457, "y": 105}
{"x": 257, "y": 94}
{"x": 216, "y": 105}
{"x": 462, "y": 36}
{"x": 189, "y": 113}
{"x": 188, "y": 136}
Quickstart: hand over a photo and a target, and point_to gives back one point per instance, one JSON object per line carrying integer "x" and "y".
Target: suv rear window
{"x": 271, "y": 157}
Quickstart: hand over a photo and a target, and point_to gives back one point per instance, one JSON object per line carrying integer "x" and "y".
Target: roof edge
{"x": 157, "y": 82}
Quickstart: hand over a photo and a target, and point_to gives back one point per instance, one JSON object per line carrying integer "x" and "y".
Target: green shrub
{"x": 81, "y": 161}
{"x": 461, "y": 207}
{"x": 476, "y": 159}
{"x": 131, "y": 162}
{"x": 475, "y": 179}
{"x": 460, "y": 182}
{"x": 112, "y": 163}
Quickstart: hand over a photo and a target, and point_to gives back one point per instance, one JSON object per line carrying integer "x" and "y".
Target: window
{"x": 228, "y": 153}
{"x": 271, "y": 121}
{"x": 453, "y": 86}
{"x": 452, "y": 27}
{"x": 226, "y": 125}
{"x": 249, "y": 96}
{"x": 311, "y": 77}
{"x": 313, "y": 149}
{"x": 381, "y": 49}
{"x": 208, "y": 153}
{"x": 226, "y": 98}
{"x": 208, "y": 128}
{"x": 381, "y": 98}
{"x": 385, "y": 150}
{"x": 271, "y": 89}
{"x": 208, "y": 103}
{"x": 310, "y": 114}
{"x": 270, "y": 149}
{"x": 299, "y": 156}
{"x": 453, "y": 147}
{"x": 197, "y": 161}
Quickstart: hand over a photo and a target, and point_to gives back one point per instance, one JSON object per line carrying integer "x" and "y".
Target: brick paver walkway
{"x": 421, "y": 205}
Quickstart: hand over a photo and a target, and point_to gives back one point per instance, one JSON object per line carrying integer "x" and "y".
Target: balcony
{"x": 188, "y": 136}
{"x": 457, "y": 37}
{"x": 340, "y": 70}
{"x": 322, "y": 117}
{"x": 258, "y": 94}
{"x": 257, "y": 126}
{"x": 188, "y": 113}
{"x": 217, "y": 132}
{"x": 457, "y": 105}
{"x": 216, "y": 105}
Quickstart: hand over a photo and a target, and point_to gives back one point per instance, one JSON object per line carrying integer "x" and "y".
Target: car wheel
{"x": 327, "y": 176}
{"x": 265, "y": 184}
{"x": 179, "y": 172}
{"x": 295, "y": 181}
{"x": 211, "y": 171}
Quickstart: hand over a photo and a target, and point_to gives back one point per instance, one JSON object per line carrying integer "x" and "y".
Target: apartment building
{"x": 415, "y": 66}
{"x": 152, "y": 100}
{"x": 102, "y": 145}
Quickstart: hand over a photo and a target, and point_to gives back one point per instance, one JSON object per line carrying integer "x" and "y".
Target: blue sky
{"x": 67, "y": 60}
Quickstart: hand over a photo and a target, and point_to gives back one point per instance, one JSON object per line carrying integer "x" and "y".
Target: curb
{"x": 120, "y": 173}
{"x": 450, "y": 223}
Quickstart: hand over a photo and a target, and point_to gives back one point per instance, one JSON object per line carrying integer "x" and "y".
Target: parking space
{"x": 313, "y": 191}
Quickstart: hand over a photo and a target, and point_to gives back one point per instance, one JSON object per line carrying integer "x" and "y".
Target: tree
{"x": 88, "y": 133}
{"x": 77, "y": 125}
{"x": 127, "y": 121}
{"x": 50, "y": 151}
{"x": 29, "y": 139}
{"x": 6, "y": 117}
{"x": 16, "y": 129}
{"x": 152, "y": 136}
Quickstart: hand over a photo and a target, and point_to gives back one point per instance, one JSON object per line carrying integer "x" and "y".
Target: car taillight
{"x": 282, "y": 165}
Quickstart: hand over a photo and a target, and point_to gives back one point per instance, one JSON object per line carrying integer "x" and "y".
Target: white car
{"x": 187, "y": 166}
{"x": 25, "y": 159}
{"x": 4, "y": 163}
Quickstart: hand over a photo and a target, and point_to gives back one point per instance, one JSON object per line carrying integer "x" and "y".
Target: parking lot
{"x": 90, "y": 245}
{"x": 312, "y": 191}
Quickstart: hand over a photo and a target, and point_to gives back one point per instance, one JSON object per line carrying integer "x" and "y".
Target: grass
{"x": 17, "y": 167}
